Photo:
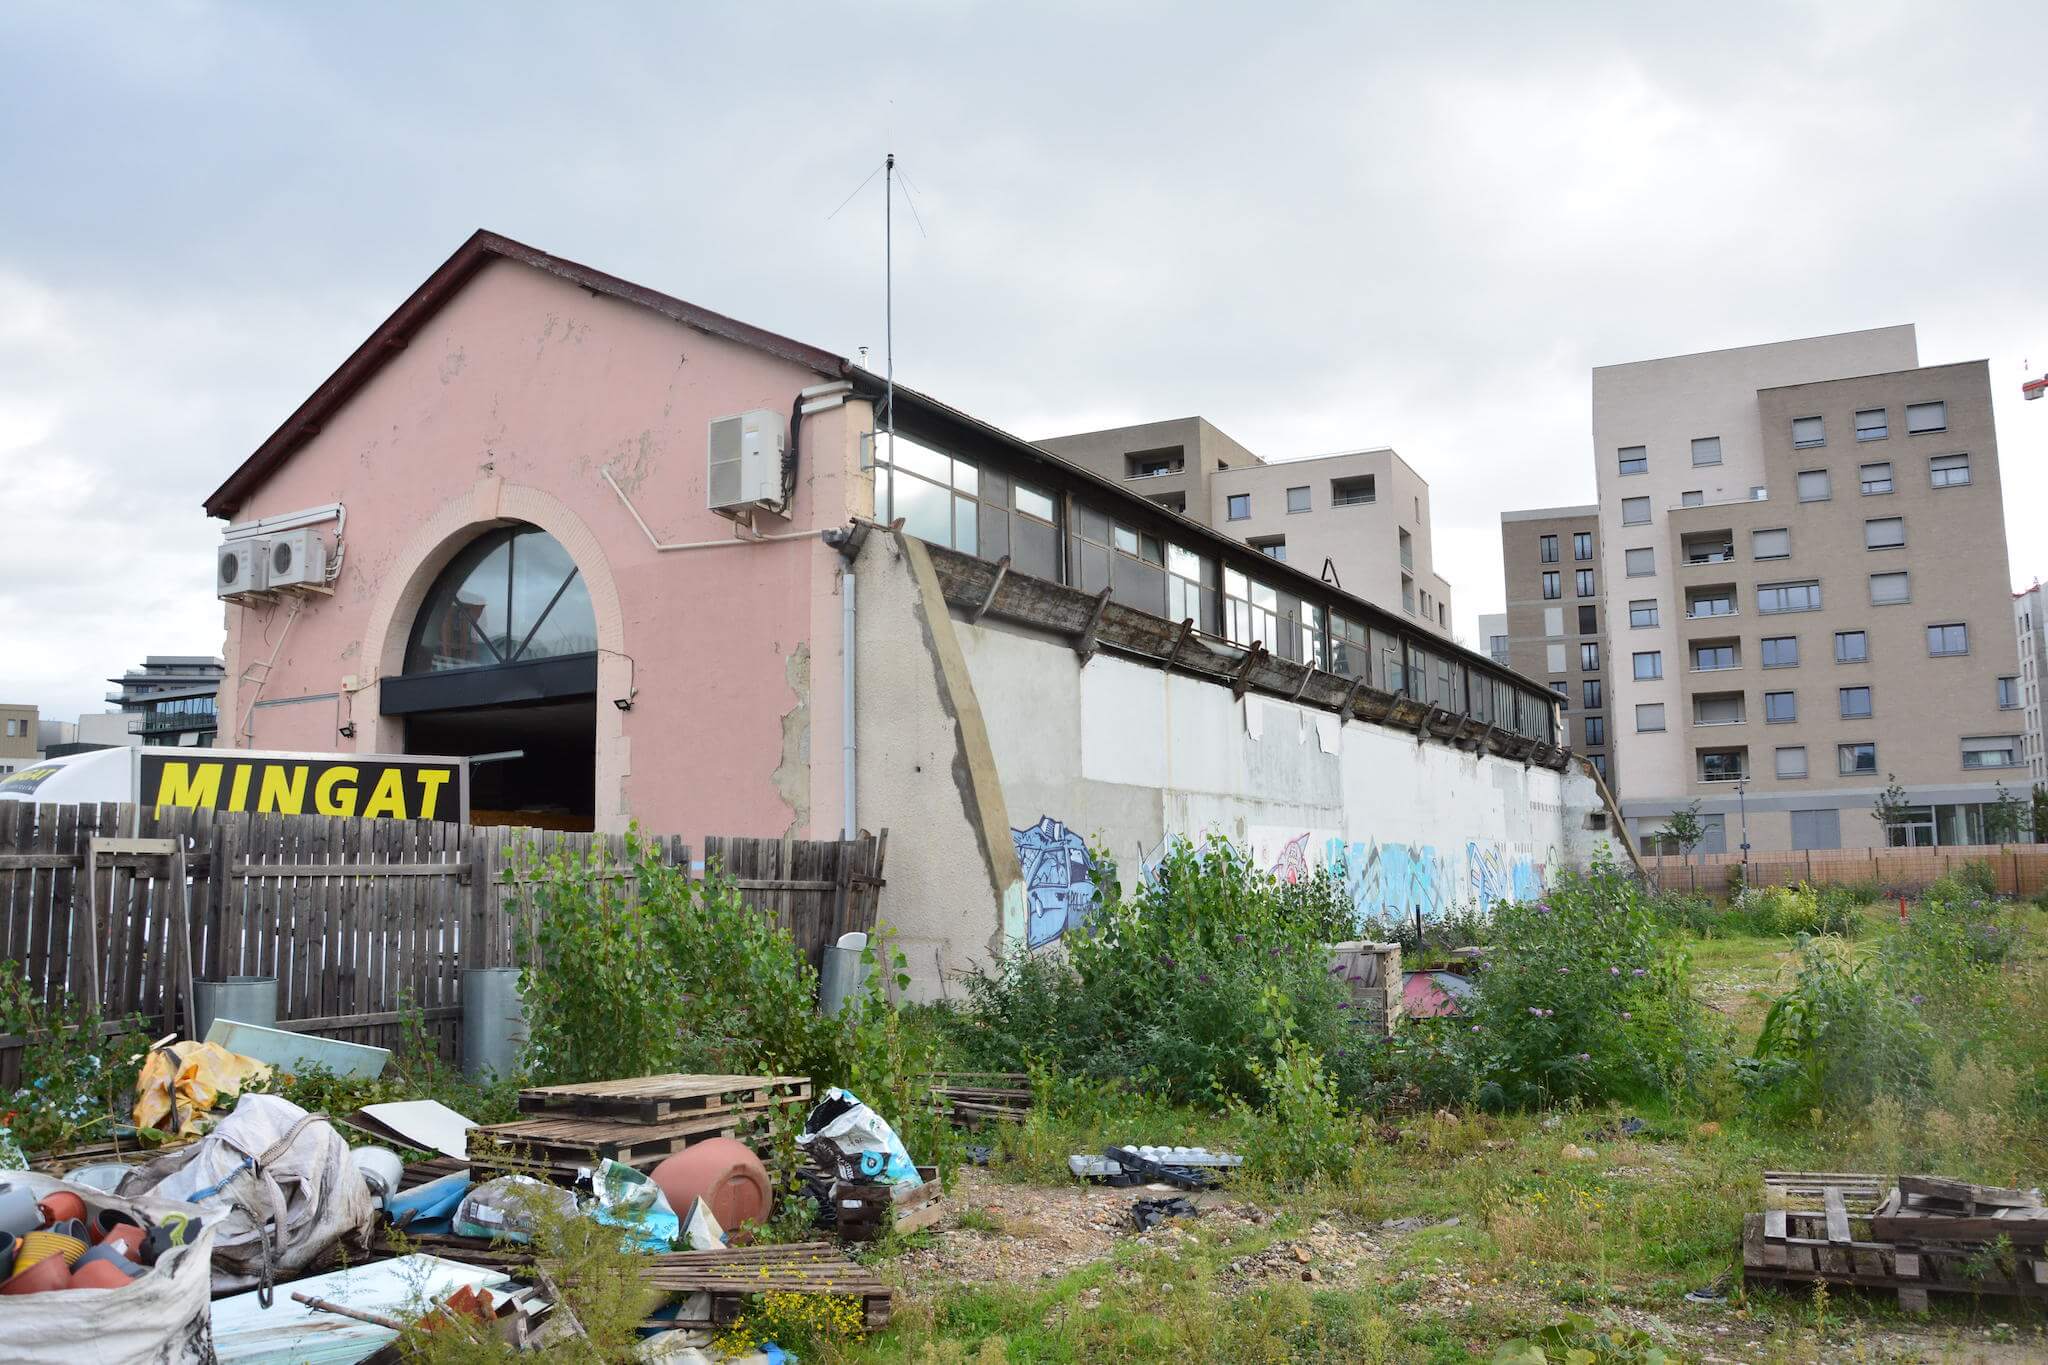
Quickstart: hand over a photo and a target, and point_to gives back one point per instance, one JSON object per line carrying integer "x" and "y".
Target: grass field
{"x": 1453, "y": 1234}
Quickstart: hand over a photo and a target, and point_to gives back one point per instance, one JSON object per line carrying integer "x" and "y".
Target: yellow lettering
{"x": 188, "y": 786}
{"x": 238, "y": 797}
{"x": 331, "y": 797}
{"x": 431, "y": 780}
{"x": 388, "y": 801}
{"x": 283, "y": 789}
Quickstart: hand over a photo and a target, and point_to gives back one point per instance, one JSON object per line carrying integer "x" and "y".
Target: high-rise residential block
{"x": 1359, "y": 520}
{"x": 1557, "y": 619}
{"x": 2033, "y": 670}
{"x": 1804, "y": 552}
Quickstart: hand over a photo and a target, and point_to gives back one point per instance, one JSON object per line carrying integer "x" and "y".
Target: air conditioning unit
{"x": 241, "y": 567}
{"x": 745, "y": 461}
{"x": 297, "y": 559}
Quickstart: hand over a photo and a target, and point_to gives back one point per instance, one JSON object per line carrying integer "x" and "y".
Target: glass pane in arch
{"x": 513, "y": 594}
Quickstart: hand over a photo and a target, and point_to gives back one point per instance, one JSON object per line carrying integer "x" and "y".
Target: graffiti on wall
{"x": 1292, "y": 864}
{"x": 1390, "y": 880}
{"x": 1496, "y": 875}
{"x": 1059, "y": 879}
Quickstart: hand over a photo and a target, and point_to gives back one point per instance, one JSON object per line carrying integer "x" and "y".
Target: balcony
{"x": 1707, "y": 547}
{"x": 1703, "y": 603}
{"x": 1724, "y": 765}
{"x": 1154, "y": 472}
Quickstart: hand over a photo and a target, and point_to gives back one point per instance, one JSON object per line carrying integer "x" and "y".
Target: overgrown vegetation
{"x": 74, "y": 1080}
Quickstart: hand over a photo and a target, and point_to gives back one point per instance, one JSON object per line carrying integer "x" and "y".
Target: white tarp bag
{"x": 845, "y": 1134}
{"x": 293, "y": 1196}
{"x": 163, "y": 1318}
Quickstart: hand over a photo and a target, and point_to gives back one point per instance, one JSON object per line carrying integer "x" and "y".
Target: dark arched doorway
{"x": 503, "y": 657}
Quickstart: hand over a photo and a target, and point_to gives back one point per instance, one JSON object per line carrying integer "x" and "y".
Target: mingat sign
{"x": 374, "y": 788}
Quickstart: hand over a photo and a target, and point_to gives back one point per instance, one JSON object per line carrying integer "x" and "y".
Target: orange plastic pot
{"x": 61, "y": 1207}
{"x": 51, "y": 1272}
{"x": 725, "y": 1174}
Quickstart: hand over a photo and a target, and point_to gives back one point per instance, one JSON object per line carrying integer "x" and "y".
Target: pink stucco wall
{"x": 508, "y": 404}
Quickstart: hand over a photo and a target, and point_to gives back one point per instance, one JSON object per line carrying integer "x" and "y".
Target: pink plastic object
{"x": 725, "y": 1174}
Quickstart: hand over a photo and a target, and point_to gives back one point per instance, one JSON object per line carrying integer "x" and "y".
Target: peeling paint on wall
{"x": 792, "y": 777}
{"x": 1059, "y": 879}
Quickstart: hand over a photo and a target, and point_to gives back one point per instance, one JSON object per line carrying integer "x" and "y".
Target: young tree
{"x": 2008, "y": 820}
{"x": 1684, "y": 828}
{"x": 1889, "y": 810}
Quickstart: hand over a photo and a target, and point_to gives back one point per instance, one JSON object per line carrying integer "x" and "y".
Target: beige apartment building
{"x": 1359, "y": 520}
{"x": 1556, "y": 619}
{"x": 2026, "y": 620}
{"x": 18, "y": 742}
{"x": 1804, "y": 550}
{"x": 1493, "y": 636}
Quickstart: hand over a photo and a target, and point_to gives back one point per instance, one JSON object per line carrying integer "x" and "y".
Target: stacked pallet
{"x": 1912, "y": 1236}
{"x": 725, "y": 1279}
{"x": 972, "y": 1098}
{"x": 638, "y": 1121}
{"x": 867, "y": 1212}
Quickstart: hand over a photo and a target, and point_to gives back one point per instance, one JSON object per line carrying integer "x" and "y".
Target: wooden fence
{"x": 359, "y": 921}
{"x": 2020, "y": 869}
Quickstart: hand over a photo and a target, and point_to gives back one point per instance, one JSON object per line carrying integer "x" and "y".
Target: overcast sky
{"x": 1320, "y": 227}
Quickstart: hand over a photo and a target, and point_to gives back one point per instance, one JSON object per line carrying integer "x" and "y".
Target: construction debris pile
{"x": 1916, "y": 1235}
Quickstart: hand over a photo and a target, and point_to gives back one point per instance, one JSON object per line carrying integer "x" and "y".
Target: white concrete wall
{"x": 1121, "y": 756}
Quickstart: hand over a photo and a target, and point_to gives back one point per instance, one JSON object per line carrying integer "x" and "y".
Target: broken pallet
{"x": 1801, "y": 1248}
{"x": 729, "y": 1276}
{"x": 654, "y": 1099}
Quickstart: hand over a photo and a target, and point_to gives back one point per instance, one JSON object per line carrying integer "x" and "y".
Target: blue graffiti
{"x": 1059, "y": 879}
{"x": 1389, "y": 881}
{"x": 1498, "y": 877}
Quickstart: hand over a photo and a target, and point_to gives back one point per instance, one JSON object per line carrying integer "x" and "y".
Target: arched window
{"x": 511, "y": 596}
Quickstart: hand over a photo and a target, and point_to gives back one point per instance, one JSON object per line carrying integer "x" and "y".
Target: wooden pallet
{"x": 730, "y": 1276}
{"x": 1931, "y": 1209}
{"x": 865, "y": 1213}
{"x": 558, "y": 1147}
{"x": 971, "y": 1098}
{"x": 1800, "y": 1248}
{"x": 1861, "y": 1191}
{"x": 655, "y": 1099}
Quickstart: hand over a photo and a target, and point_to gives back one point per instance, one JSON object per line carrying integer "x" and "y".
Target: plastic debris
{"x": 1180, "y": 1177}
{"x": 509, "y": 1208}
{"x": 701, "y": 1231}
{"x": 844, "y": 1134}
{"x": 1147, "y": 1214}
{"x": 182, "y": 1083}
{"x": 625, "y": 1198}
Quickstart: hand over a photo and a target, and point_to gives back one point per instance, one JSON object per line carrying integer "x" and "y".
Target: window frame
{"x": 1308, "y": 503}
{"x": 1656, "y": 662}
{"x": 1642, "y": 504}
{"x": 1827, "y": 485}
{"x": 1933, "y": 481}
{"x": 1905, "y": 574}
{"x": 1815, "y": 599}
{"x": 1778, "y": 764}
{"x": 1641, "y": 459}
{"x": 1843, "y": 765}
{"x": 1946, "y": 626}
{"x": 1628, "y": 562}
{"x": 1842, "y": 694}
{"x": 1635, "y": 606}
{"x": 1756, "y": 554}
{"x": 1871, "y": 522}
{"x": 1582, "y": 547}
{"x": 1660, "y": 727}
{"x": 1231, "y": 502}
{"x": 1552, "y": 585}
{"x": 1883, "y": 430}
{"x": 1697, "y": 442}
{"x": 1863, "y": 479}
{"x": 1863, "y": 636}
{"x": 1941, "y": 403}
{"x": 1764, "y": 651}
{"x": 1582, "y": 583}
{"x": 1814, "y": 443}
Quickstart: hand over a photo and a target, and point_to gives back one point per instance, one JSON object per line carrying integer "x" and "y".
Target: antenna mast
{"x": 889, "y": 292}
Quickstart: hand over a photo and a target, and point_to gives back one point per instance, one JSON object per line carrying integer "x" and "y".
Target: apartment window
{"x": 1992, "y": 751}
{"x": 1272, "y": 547}
{"x": 2008, "y": 694}
{"x": 1547, "y": 549}
{"x": 1692, "y": 497}
{"x": 1724, "y": 765}
{"x": 1808, "y": 432}
{"x": 1851, "y": 759}
{"x": 1706, "y": 450}
{"x": 1791, "y": 761}
{"x": 1635, "y": 511}
{"x": 1552, "y": 585}
{"x": 1772, "y": 598}
{"x": 1407, "y": 548}
{"x": 1948, "y": 639}
{"x": 1589, "y": 657}
{"x": 1884, "y": 533}
{"x": 1238, "y": 507}
{"x": 1553, "y": 657}
{"x": 1596, "y": 729}
{"x": 1710, "y": 602}
{"x": 1855, "y": 703}
{"x": 1564, "y": 694}
{"x": 1589, "y": 620}
{"x": 1890, "y": 589}
{"x": 1774, "y": 544}
{"x": 1870, "y": 424}
{"x": 1590, "y": 688}
{"x": 1922, "y": 418}
{"x": 1949, "y": 471}
{"x": 1642, "y": 612}
{"x": 1582, "y": 545}
{"x": 1599, "y": 762}
{"x": 1713, "y": 658}
{"x": 1172, "y": 502}
{"x": 1813, "y": 485}
{"x": 1781, "y": 651}
{"x": 1297, "y": 500}
{"x": 1553, "y": 621}
{"x": 1641, "y": 563}
{"x": 1649, "y": 664}
{"x": 1877, "y": 478}
{"x": 1781, "y": 708}
{"x": 1649, "y": 716}
{"x": 1584, "y": 582}
{"x": 1634, "y": 460}
{"x": 1852, "y": 647}
{"x": 1353, "y": 491}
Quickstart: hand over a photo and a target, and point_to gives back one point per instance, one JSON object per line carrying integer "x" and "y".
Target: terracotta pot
{"x": 106, "y": 1220}
{"x": 61, "y": 1207}
{"x": 49, "y": 1273}
{"x": 104, "y": 1267}
{"x": 128, "y": 1240}
{"x": 38, "y": 1246}
{"x": 18, "y": 1212}
{"x": 725, "y": 1174}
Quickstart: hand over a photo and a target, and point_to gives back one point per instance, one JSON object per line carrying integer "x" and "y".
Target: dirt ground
{"x": 1026, "y": 1235}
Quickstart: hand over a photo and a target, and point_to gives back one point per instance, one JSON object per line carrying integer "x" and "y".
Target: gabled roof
{"x": 395, "y": 331}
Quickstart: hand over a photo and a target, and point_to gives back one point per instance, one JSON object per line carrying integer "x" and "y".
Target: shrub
{"x": 1581, "y": 996}
{"x": 70, "y": 1077}
{"x": 1787, "y": 911}
{"x": 1168, "y": 986}
{"x": 1301, "y": 1134}
{"x": 1838, "y": 1037}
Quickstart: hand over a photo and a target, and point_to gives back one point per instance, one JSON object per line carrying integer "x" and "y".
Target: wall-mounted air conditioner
{"x": 744, "y": 471}
{"x": 241, "y": 567}
{"x": 297, "y": 559}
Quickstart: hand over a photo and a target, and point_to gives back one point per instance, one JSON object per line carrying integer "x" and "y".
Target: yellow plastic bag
{"x": 180, "y": 1084}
